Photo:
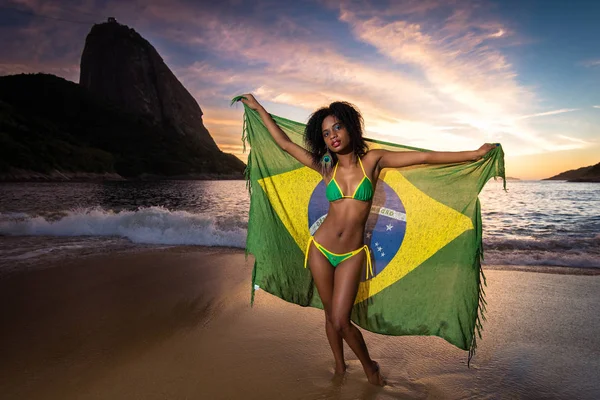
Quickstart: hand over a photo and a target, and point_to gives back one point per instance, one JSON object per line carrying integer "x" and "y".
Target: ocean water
{"x": 550, "y": 223}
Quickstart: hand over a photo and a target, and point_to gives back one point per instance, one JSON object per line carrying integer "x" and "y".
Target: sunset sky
{"x": 424, "y": 73}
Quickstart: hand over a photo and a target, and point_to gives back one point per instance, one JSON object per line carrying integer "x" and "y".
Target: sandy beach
{"x": 177, "y": 324}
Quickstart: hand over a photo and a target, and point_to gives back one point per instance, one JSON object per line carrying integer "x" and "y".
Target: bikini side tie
{"x": 369, "y": 269}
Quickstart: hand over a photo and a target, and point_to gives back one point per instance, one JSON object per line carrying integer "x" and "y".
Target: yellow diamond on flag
{"x": 289, "y": 194}
{"x": 430, "y": 225}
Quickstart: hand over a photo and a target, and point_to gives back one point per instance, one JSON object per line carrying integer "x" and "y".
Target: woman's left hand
{"x": 483, "y": 150}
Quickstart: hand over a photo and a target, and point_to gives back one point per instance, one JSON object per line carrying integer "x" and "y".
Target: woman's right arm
{"x": 282, "y": 140}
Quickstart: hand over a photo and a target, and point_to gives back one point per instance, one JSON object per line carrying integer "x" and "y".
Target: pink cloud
{"x": 69, "y": 72}
{"x": 546, "y": 113}
{"x": 430, "y": 74}
{"x": 465, "y": 81}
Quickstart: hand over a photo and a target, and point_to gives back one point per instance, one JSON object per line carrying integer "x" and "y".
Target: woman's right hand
{"x": 250, "y": 101}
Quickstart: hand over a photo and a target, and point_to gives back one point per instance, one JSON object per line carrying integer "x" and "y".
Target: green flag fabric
{"x": 424, "y": 232}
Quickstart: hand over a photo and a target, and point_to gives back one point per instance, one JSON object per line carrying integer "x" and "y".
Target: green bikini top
{"x": 364, "y": 190}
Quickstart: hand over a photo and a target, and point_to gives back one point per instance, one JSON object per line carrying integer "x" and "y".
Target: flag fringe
{"x": 253, "y": 284}
{"x": 481, "y": 310}
{"x": 247, "y": 176}
{"x": 246, "y": 139}
{"x": 498, "y": 160}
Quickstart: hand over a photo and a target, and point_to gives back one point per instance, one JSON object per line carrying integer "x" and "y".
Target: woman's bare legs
{"x": 337, "y": 288}
{"x": 323, "y": 273}
{"x": 345, "y": 287}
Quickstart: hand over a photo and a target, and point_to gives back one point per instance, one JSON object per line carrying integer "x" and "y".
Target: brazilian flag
{"x": 424, "y": 232}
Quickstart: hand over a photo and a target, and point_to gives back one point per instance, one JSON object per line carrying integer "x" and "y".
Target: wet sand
{"x": 176, "y": 324}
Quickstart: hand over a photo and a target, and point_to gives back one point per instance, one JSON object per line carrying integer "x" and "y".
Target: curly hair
{"x": 349, "y": 116}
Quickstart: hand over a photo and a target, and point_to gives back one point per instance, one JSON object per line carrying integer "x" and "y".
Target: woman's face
{"x": 335, "y": 134}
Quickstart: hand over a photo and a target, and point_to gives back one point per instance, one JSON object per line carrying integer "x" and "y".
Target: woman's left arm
{"x": 397, "y": 159}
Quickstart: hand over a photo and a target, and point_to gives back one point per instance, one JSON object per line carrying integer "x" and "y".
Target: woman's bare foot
{"x": 340, "y": 369}
{"x": 374, "y": 375}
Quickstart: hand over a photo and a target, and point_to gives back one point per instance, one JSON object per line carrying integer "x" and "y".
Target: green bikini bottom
{"x": 335, "y": 259}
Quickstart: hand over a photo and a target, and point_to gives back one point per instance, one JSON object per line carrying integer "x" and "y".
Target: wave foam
{"x": 160, "y": 226}
{"x": 555, "y": 243}
{"x": 567, "y": 259}
{"x": 151, "y": 225}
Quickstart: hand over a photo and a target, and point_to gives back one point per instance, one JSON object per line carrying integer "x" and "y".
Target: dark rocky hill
{"x": 123, "y": 67}
{"x": 584, "y": 174}
{"x": 130, "y": 117}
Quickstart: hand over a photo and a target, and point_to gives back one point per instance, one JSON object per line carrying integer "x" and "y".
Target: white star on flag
{"x": 389, "y": 227}
{"x": 368, "y": 235}
{"x": 376, "y": 244}
{"x": 379, "y": 248}
{"x": 382, "y": 254}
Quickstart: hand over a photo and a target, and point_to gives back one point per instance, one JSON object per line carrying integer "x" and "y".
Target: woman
{"x": 337, "y": 150}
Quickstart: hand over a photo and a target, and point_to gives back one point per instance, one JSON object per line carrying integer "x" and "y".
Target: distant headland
{"x": 584, "y": 174}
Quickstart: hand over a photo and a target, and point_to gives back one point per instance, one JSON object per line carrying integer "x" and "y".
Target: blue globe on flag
{"x": 385, "y": 228}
